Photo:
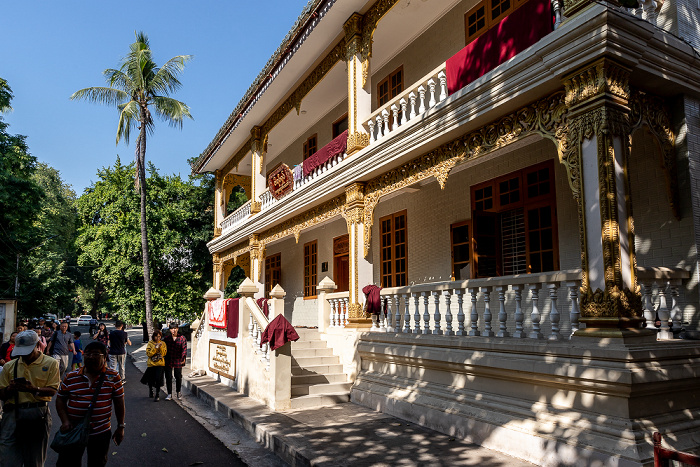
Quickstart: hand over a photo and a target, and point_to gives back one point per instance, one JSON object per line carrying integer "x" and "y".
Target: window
{"x": 310, "y": 268}
{"x": 273, "y": 272}
{"x": 487, "y": 14}
{"x": 340, "y": 125}
{"x": 394, "y": 250}
{"x": 310, "y": 147}
{"x": 390, "y": 87}
{"x": 514, "y": 224}
{"x": 461, "y": 250}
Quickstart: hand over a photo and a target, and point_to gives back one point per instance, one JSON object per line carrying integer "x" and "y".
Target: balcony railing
{"x": 236, "y": 218}
{"x": 409, "y": 105}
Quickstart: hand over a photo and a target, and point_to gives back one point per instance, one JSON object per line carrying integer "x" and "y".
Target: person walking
{"x": 118, "y": 340}
{"x": 61, "y": 346}
{"x": 6, "y": 349}
{"x": 93, "y": 325}
{"x": 153, "y": 377}
{"x": 101, "y": 335}
{"x": 75, "y": 396}
{"x": 174, "y": 361}
{"x": 27, "y": 384}
{"x": 78, "y": 357}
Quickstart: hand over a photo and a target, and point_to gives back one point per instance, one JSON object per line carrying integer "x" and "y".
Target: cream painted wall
{"x": 300, "y": 311}
{"x": 294, "y": 153}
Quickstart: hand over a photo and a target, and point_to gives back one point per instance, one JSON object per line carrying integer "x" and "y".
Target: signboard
{"x": 222, "y": 358}
{"x": 280, "y": 181}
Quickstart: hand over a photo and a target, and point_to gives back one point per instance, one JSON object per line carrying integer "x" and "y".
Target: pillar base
{"x": 255, "y": 207}
{"x": 618, "y": 330}
{"x": 359, "y": 323}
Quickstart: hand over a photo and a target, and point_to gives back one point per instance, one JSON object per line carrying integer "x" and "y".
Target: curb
{"x": 253, "y": 417}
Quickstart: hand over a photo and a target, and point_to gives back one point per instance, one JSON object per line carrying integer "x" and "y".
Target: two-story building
{"x": 520, "y": 178}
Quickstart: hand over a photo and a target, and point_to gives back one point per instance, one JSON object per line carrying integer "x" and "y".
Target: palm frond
{"x": 165, "y": 80}
{"x": 101, "y": 95}
{"x": 171, "y": 110}
{"x": 118, "y": 79}
{"x": 128, "y": 119}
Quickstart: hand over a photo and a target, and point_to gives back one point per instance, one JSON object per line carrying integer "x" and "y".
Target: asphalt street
{"x": 157, "y": 433}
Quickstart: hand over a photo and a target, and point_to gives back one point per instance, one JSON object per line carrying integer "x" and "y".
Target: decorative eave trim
{"x": 310, "y": 16}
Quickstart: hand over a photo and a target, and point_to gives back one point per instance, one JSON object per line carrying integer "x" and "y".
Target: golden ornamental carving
{"x": 232, "y": 254}
{"x": 255, "y": 207}
{"x": 357, "y": 140}
{"x": 602, "y": 77}
{"x": 611, "y": 303}
{"x": 652, "y": 112}
{"x": 353, "y": 35}
{"x": 233, "y": 180}
{"x": 370, "y": 21}
{"x": 297, "y": 224}
{"x": 217, "y": 232}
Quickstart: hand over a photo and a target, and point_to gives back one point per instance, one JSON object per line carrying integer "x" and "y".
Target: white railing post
{"x": 648, "y": 305}
{"x": 385, "y": 118}
{"x": 448, "y": 313}
{"x": 345, "y": 319}
{"x": 397, "y": 312}
{"x": 389, "y": 317}
{"x": 395, "y": 114}
{"x": 502, "y": 315}
{"x": 370, "y": 124}
{"x": 412, "y": 98}
{"x": 404, "y": 112}
{"x": 554, "y": 311}
{"x": 575, "y": 312}
{"x": 380, "y": 124}
{"x": 487, "y": 312}
{"x": 675, "y": 310}
{"x": 334, "y": 312}
{"x": 443, "y": 85}
{"x": 426, "y": 315}
{"x": 474, "y": 313}
{"x": 535, "y": 315}
{"x": 436, "y": 315}
{"x": 665, "y": 332}
{"x": 460, "y": 313}
{"x": 519, "y": 315}
{"x": 416, "y": 313}
{"x": 431, "y": 86}
{"x": 406, "y": 314}
{"x": 421, "y": 94}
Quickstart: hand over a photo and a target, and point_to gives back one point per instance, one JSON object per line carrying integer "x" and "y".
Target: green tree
{"x": 136, "y": 88}
{"x": 180, "y": 220}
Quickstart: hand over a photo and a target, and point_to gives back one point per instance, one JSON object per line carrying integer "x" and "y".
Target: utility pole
{"x": 17, "y": 278}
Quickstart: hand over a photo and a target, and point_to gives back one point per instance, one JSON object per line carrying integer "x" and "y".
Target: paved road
{"x": 152, "y": 426}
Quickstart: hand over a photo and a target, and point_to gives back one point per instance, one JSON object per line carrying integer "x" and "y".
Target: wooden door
{"x": 341, "y": 263}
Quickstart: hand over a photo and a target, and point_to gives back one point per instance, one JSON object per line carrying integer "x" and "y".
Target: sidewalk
{"x": 341, "y": 435}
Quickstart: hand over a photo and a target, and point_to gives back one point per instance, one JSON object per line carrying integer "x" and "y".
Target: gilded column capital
{"x": 353, "y": 35}
{"x": 357, "y": 140}
{"x": 601, "y": 78}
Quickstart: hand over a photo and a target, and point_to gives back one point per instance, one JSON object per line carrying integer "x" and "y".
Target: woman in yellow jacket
{"x": 153, "y": 377}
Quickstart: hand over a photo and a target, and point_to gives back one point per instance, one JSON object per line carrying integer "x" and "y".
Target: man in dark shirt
{"x": 118, "y": 340}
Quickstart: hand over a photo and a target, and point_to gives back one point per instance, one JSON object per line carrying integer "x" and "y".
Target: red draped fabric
{"x": 217, "y": 313}
{"x": 278, "y": 332}
{"x": 515, "y": 33}
{"x": 232, "y": 314}
{"x": 326, "y": 153}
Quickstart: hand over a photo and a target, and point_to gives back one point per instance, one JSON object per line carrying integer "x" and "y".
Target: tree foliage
{"x": 180, "y": 217}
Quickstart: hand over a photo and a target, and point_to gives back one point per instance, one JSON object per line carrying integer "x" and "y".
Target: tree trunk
{"x": 141, "y": 148}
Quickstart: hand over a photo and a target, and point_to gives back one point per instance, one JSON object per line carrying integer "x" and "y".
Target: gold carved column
{"x": 257, "y": 181}
{"x": 359, "y": 95}
{"x": 360, "y": 270}
{"x": 217, "y": 279}
{"x": 257, "y": 258}
{"x": 219, "y": 214}
{"x": 598, "y": 140}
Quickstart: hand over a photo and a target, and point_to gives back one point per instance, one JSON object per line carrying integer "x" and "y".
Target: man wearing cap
{"x": 27, "y": 384}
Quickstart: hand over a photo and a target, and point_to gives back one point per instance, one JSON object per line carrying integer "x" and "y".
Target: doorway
{"x": 341, "y": 263}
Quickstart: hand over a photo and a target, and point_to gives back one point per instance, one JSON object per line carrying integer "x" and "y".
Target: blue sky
{"x": 51, "y": 49}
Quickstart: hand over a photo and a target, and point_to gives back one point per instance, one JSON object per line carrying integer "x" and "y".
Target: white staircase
{"x": 317, "y": 375}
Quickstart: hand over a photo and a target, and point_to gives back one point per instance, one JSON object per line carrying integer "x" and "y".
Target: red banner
{"x": 280, "y": 181}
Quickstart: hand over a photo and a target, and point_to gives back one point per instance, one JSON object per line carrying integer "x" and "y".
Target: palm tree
{"x": 136, "y": 88}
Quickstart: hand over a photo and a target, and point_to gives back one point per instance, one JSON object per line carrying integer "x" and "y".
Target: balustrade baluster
{"x": 389, "y": 317}
{"x": 460, "y": 313}
{"x": 474, "y": 313}
{"x": 431, "y": 86}
{"x": 380, "y": 133}
{"x": 448, "y": 314}
{"x": 416, "y": 313}
{"x": 664, "y": 313}
{"x": 395, "y": 112}
{"x": 397, "y": 313}
{"x": 575, "y": 312}
{"x": 519, "y": 315}
{"x": 436, "y": 315}
{"x": 250, "y": 325}
{"x": 487, "y": 312}
{"x": 502, "y": 315}
{"x": 385, "y": 118}
{"x": 370, "y": 124}
{"x": 421, "y": 98}
{"x": 346, "y": 303}
{"x": 675, "y": 310}
{"x": 554, "y": 311}
{"x": 334, "y": 312}
{"x": 426, "y": 315}
{"x": 535, "y": 315}
{"x": 443, "y": 85}
{"x": 404, "y": 114}
{"x": 406, "y": 314}
{"x": 266, "y": 351}
{"x": 412, "y": 98}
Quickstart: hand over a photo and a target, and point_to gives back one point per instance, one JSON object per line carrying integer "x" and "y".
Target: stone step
{"x": 305, "y": 402}
{"x": 317, "y": 352}
{"x": 316, "y": 369}
{"x": 305, "y": 362}
{"x": 319, "y": 378}
{"x": 320, "y": 389}
{"x": 309, "y": 344}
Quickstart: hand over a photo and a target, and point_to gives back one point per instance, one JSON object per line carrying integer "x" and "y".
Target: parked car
{"x": 84, "y": 320}
{"x": 51, "y": 317}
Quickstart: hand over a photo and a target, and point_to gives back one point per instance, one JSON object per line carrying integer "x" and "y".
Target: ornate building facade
{"x": 519, "y": 177}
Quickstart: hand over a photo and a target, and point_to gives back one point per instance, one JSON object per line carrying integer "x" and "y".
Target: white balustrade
{"x": 425, "y": 94}
{"x": 236, "y": 218}
{"x": 660, "y": 287}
